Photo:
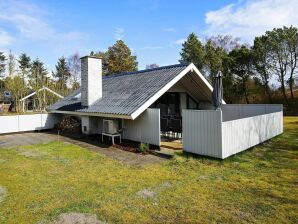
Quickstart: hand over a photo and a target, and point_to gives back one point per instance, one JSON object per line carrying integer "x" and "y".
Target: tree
{"x": 38, "y": 74}
{"x": 120, "y": 59}
{"x": 226, "y": 42}
{"x": 279, "y": 56}
{"x": 15, "y": 84}
{"x": 2, "y": 63}
{"x": 260, "y": 51}
{"x": 74, "y": 65}
{"x": 193, "y": 51}
{"x": 213, "y": 60}
{"x": 62, "y": 73}
{"x": 241, "y": 66}
{"x": 152, "y": 66}
{"x": 11, "y": 64}
{"x": 24, "y": 65}
{"x": 292, "y": 43}
{"x": 2, "y": 68}
{"x": 38, "y": 78}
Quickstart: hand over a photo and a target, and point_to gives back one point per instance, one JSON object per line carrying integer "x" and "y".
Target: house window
{"x": 191, "y": 103}
{"x": 84, "y": 128}
{"x": 169, "y": 104}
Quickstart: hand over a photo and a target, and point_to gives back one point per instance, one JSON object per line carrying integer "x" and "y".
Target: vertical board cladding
{"x": 241, "y": 134}
{"x": 202, "y": 132}
{"x": 145, "y": 128}
{"x": 32, "y": 122}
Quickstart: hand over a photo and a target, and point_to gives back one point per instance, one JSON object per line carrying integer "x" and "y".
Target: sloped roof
{"x": 123, "y": 93}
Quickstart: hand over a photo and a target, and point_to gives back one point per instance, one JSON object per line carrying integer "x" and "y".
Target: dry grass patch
{"x": 3, "y": 193}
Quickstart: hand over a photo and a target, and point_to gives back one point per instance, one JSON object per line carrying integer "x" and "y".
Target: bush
{"x": 143, "y": 147}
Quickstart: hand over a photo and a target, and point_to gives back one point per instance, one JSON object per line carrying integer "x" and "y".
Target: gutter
{"x": 92, "y": 114}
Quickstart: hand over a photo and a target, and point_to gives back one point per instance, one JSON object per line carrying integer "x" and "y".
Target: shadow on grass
{"x": 94, "y": 140}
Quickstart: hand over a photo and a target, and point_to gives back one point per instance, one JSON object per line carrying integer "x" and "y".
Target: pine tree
{"x": 120, "y": 59}
{"x": 24, "y": 65}
{"x": 62, "y": 73}
{"x": 242, "y": 67}
{"x": 38, "y": 74}
{"x": 193, "y": 51}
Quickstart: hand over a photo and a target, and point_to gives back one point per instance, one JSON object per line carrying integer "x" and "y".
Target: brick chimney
{"x": 91, "y": 80}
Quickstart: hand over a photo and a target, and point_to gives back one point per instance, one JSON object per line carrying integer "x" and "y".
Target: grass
{"x": 256, "y": 186}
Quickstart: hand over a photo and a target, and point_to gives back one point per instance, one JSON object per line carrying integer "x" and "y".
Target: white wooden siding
{"x": 205, "y": 132}
{"x": 20, "y": 123}
{"x": 202, "y": 132}
{"x": 145, "y": 128}
{"x": 241, "y": 134}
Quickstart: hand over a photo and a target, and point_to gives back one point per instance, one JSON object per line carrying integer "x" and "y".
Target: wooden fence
{"x": 206, "y": 133}
{"x": 30, "y": 122}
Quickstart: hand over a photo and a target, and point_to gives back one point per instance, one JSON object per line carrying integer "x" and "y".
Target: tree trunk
{"x": 246, "y": 97}
{"x": 283, "y": 89}
{"x": 291, "y": 81}
{"x": 245, "y": 91}
{"x": 267, "y": 90}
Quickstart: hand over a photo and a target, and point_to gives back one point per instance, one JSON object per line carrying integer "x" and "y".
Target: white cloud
{"x": 250, "y": 18}
{"x": 5, "y": 38}
{"x": 32, "y": 22}
{"x": 178, "y": 42}
{"x": 170, "y": 30}
{"x": 119, "y": 33}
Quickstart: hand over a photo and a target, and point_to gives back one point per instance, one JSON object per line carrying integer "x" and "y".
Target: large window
{"x": 191, "y": 103}
{"x": 169, "y": 104}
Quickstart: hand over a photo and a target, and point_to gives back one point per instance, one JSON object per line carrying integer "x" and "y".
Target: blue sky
{"x": 153, "y": 29}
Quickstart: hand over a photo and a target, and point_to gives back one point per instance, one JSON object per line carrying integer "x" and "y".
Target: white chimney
{"x": 91, "y": 80}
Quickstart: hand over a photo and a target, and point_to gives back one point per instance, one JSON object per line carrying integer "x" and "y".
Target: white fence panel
{"x": 202, "y": 132}
{"x": 239, "y": 111}
{"x": 29, "y": 122}
{"x": 19, "y": 123}
{"x": 241, "y": 134}
{"x": 145, "y": 128}
{"x": 9, "y": 124}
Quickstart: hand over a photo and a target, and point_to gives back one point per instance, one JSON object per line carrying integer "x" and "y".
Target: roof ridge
{"x": 146, "y": 70}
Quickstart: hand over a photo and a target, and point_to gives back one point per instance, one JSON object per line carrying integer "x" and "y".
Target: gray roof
{"x": 123, "y": 93}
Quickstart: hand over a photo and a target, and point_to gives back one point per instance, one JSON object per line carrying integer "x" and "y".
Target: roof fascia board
{"x": 53, "y": 92}
{"x": 92, "y": 114}
{"x": 141, "y": 109}
{"x": 43, "y": 88}
{"x": 204, "y": 79}
{"x": 190, "y": 67}
{"x": 26, "y": 97}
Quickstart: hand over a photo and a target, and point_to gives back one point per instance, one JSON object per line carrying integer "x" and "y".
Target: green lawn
{"x": 39, "y": 182}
